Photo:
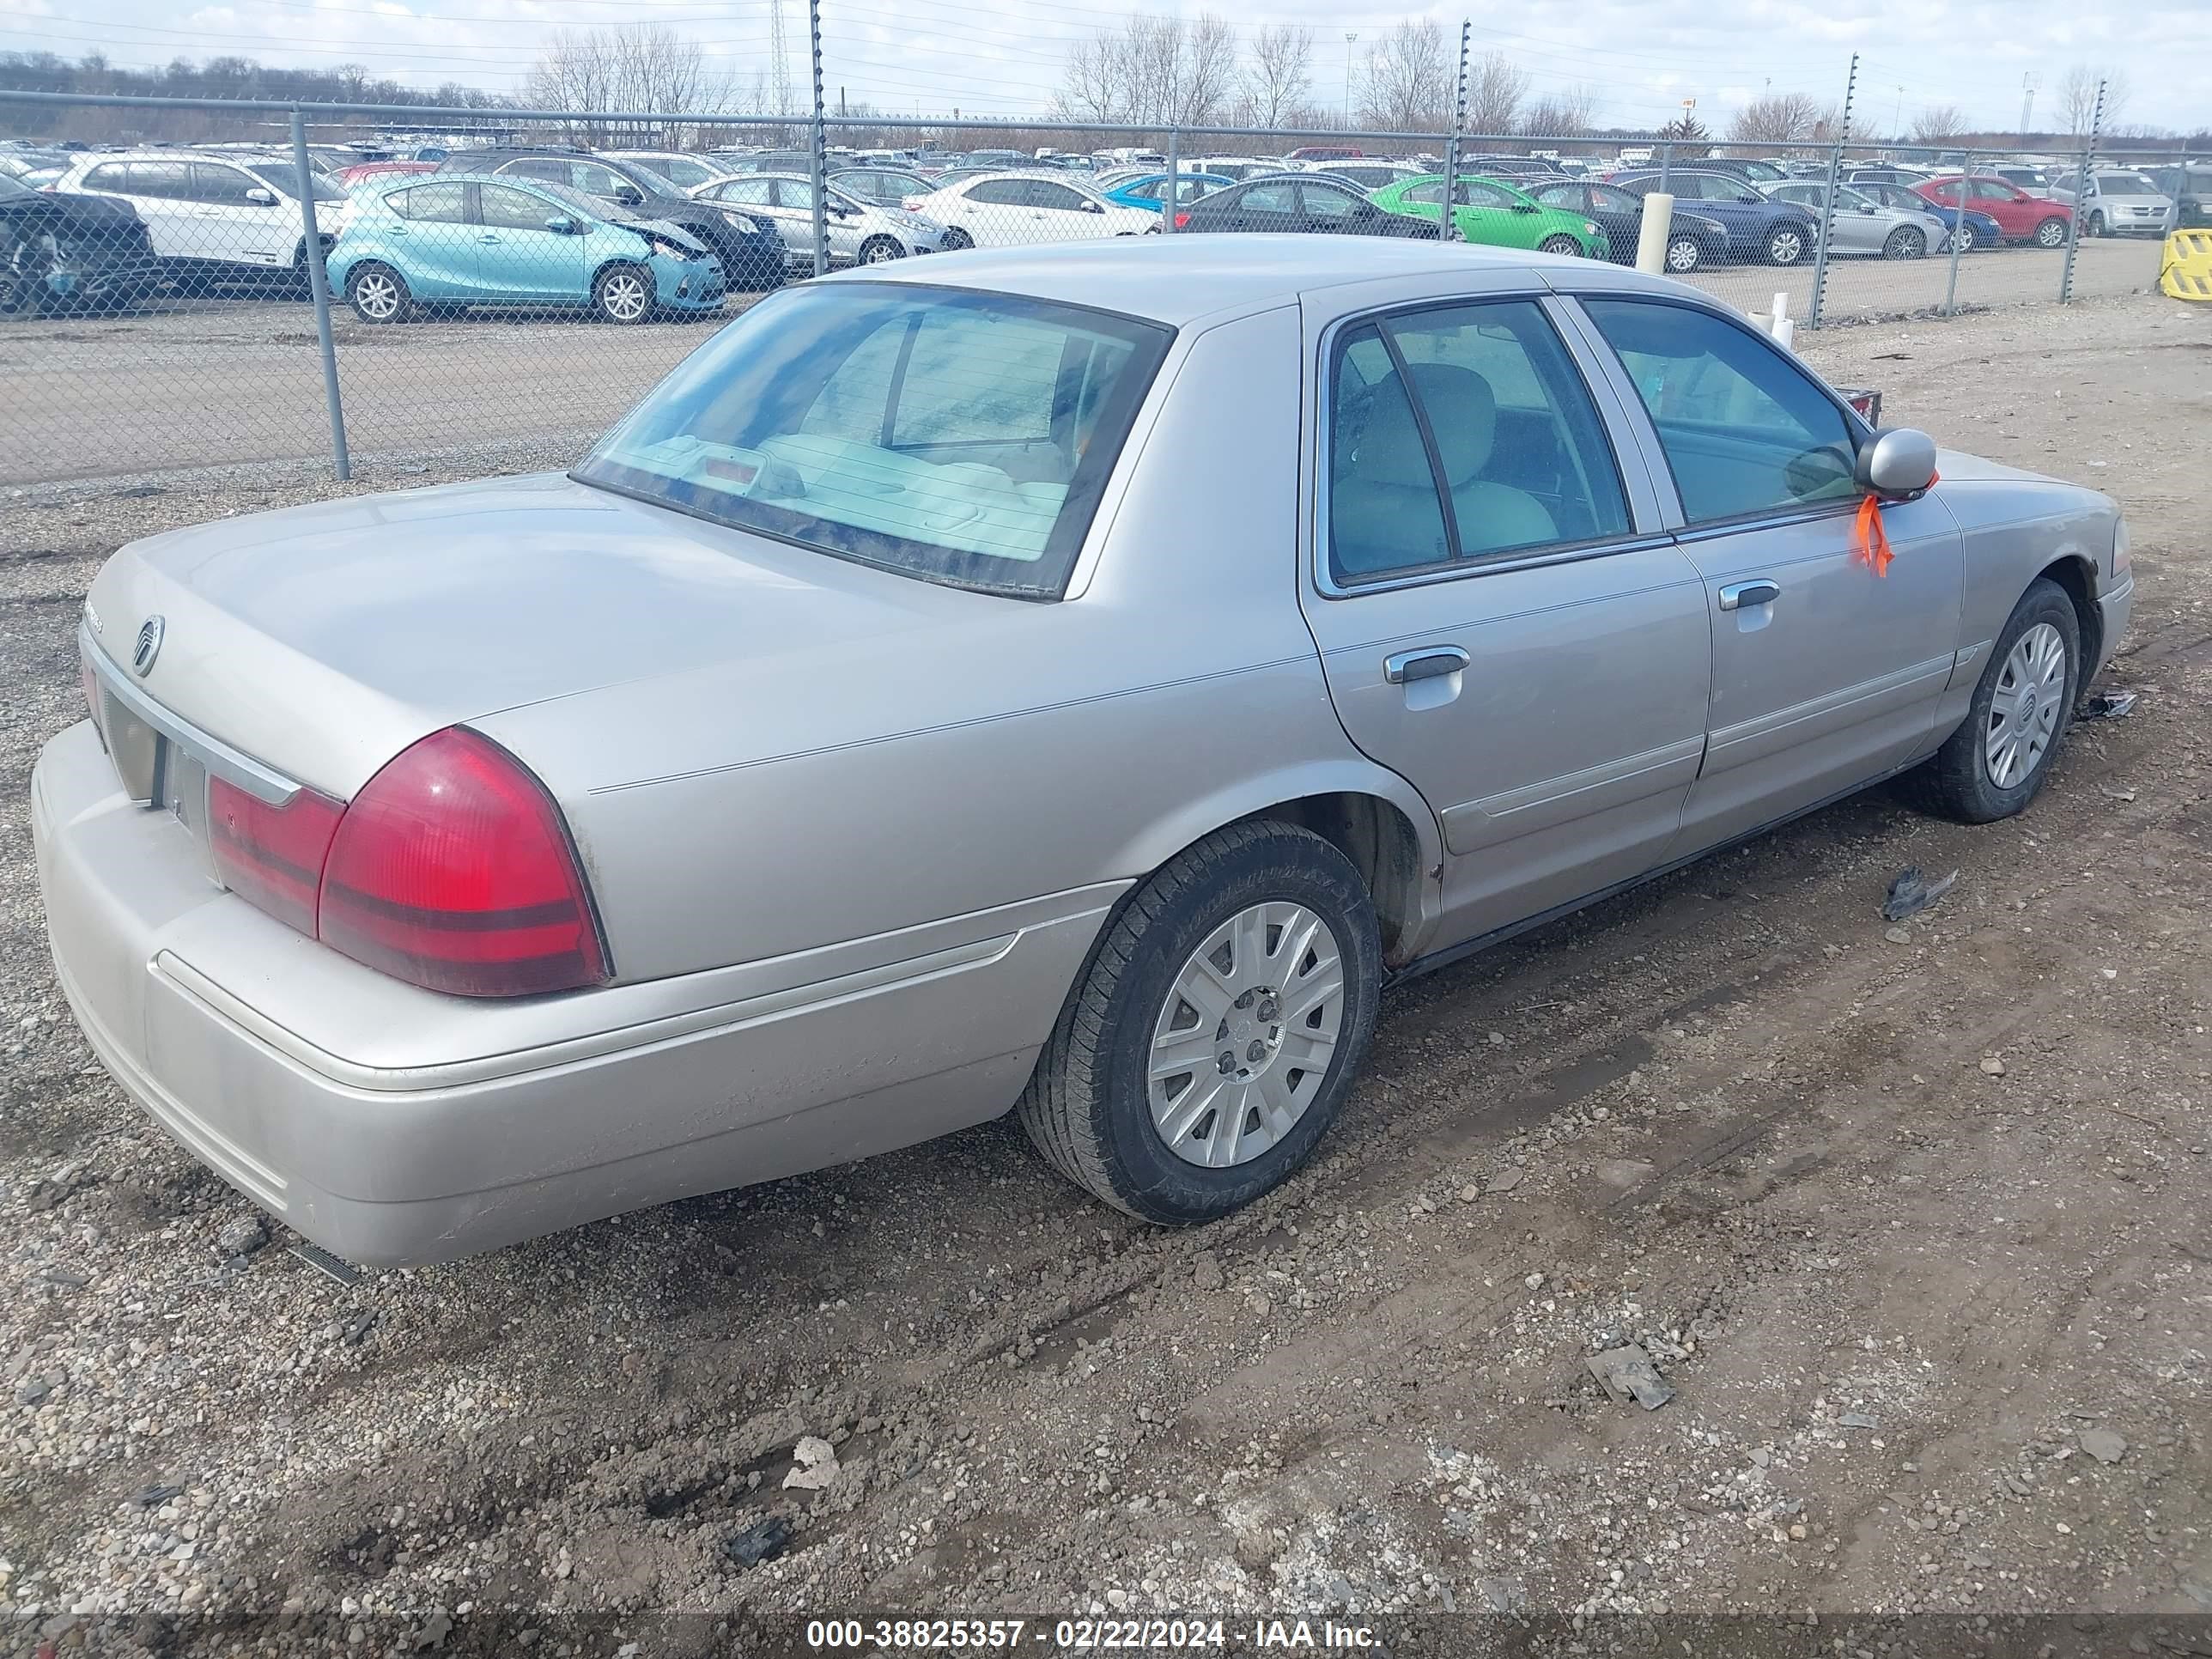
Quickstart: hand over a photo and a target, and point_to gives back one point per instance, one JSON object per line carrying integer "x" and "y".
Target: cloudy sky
{"x": 931, "y": 57}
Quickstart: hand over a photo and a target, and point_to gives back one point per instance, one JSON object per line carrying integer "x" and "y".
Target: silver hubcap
{"x": 2024, "y": 714}
{"x": 1683, "y": 256}
{"x": 376, "y": 295}
{"x": 881, "y": 254}
{"x": 1787, "y": 247}
{"x": 1246, "y": 1036}
{"x": 625, "y": 297}
{"x": 2051, "y": 234}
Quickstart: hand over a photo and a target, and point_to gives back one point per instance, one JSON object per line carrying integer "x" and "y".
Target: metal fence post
{"x": 1448, "y": 229}
{"x": 1828, "y": 234}
{"x": 1169, "y": 202}
{"x": 817, "y": 144}
{"x": 2081, "y": 194}
{"x": 1666, "y": 167}
{"x": 318, "y": 287}
{"x": 1958, "y": 235}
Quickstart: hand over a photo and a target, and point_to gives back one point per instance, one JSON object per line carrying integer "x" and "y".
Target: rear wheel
{"x": 880, "y": 251}
{"x": 378, "y": 294}
{"x": 1685, "y": 254}
{"x": 2051, "y": 233}
{"x": 1785, "y": 246}
{"x": 1559, "y": 244}
{"x": 623, "y": 293}
{"x": 955, "y": 239}
{"x": 1905, "y": 243}
{"x": 1995, "y": 763}
{"x": 1217, "y": 1030}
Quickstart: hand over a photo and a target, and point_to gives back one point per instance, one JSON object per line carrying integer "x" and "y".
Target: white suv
{"x": 223, "y": 212}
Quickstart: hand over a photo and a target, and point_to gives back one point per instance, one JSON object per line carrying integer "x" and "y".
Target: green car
{"x": 1489, "y": 211}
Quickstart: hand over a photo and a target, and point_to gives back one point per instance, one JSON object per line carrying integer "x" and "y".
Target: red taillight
{"x": 1181, "y": 220}
{"x": 453, "y": 869}
{"x": 272, "y": 856}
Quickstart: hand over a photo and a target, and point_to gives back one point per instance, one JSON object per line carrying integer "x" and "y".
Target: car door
{"x": 518, "y": 257}
{"x": 239, "y": 219}
{"x": 757, "y": 196}
{"x": 441, "y": 255}
{"x": 1270, "y": 205}
{"x": 1486, "y": 214}
{"x": 1331, "y": 209}
{"x": 1502, "y": 619}
{"x": 1858, "y": 227}
{"x": 1825, "y": 675}
{"x": 160, "y": 192}
{"x": 1058, "y": 213}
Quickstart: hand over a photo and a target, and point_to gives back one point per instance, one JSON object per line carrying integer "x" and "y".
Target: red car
{"x": 360, "y": 170}
{"x": 2020, "y": 217}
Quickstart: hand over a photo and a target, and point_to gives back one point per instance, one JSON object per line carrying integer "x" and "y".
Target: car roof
{"x": 1180, "y": 279}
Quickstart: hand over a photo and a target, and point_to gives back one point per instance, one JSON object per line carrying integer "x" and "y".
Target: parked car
{"x": 1518, "y": 168}
{"x": 1981, "y": 230}
{"x": 21, "y": 163}
{"x": 348, "y": 177}
{"x": 1011, "y": 210}
{"x": 1325, "y": 153}
{"x": 1863, "y": 225}
{"x": 450, "y": 867}
{"x": 859, "y": 231}
{"x": 1495, "y": 214}
{"x": 686, "y": 173}
{"x": 2119, "y": 202}
{"x": 1760, "y": 172}
{"x": 887, "y": 187}
{"x": 2190, "y": 183}
{"x": 1770, "y": 232}
{"x": 1149, "y": 190}
{"x": 214, "y": 217}
{"x": 2036, "y": 180}
{"x": 1908, "y": 176}
{"x": 2020, "y": 217}
{"x": 751, "y": 250}
{"x": 763, "y": 160}
{"x": 1299, "y": 202}
{"x": 70, "y": 253}
{"x": 1370, "y": 175}
{"x": 1236, "y": 168}
{"x": 1692, "y": 239}
{"x": 456, "y": 240}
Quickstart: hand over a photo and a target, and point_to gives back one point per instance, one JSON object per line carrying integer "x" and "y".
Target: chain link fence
{"x": 497, "y": 291}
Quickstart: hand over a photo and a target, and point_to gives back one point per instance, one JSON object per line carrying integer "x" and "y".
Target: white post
{"x": 1651, "y": 235}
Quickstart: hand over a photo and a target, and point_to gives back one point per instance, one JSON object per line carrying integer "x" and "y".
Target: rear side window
{"x": 111, "y": 176}
{"x": 1460, "y": 434}
{"x": 1745, "y": 430}
{"x": 1267, "y": 198}
{"x": 443, "y": 204}
{"x": 167, "y": 180}
{"x": 960, "y": 437}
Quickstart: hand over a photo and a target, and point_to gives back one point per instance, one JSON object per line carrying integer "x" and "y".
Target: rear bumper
{"x": 454, "y": 1142}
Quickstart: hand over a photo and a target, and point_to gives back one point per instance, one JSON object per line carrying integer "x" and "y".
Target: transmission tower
{"x": 780, "y": 60}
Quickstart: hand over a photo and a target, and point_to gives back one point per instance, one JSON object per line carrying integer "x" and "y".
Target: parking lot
{"x": 1916, "y": 1219}
{"x": 242, "y": 381}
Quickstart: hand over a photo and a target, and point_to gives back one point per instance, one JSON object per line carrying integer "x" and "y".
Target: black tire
{"x": 955, "y": 239}
{"x": 1562, "y": 243}
{"x": 880, "y": 251}
{"x": 622, "y": 294}
{"x": 1956, "y": 783}
{"x": 378, "y": 294}
{"x": 1087, "y": 1107}
{"x": 2094, "y": 226}
{"x": 1964, "y": 235}
{"x": 1683, "y": 254}
{"x": 1785, "y": 246}
{"x": 2051, "y": 233}
{"x": 1905, "y": 243}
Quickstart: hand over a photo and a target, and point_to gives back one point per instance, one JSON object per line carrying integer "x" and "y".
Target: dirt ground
{"x": 1915, "y": 1225}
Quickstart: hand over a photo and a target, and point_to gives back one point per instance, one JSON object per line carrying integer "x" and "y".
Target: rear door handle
{"x": 1429, "y": 662}
{"x": 1736, "y": 595}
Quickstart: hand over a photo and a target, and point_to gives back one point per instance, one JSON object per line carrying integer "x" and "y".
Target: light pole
{"x": 2028, "y": 83}
{"x": 1349, "y": 35}
{"x": 1896, "y": 119}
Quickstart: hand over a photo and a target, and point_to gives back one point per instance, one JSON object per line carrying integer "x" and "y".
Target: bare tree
{"x": 1938, "y": 124}
{"x": 1153, "y": 71}
{"x": 1565, "y": 114}
{"x": 1091, "y": 87}
{"x": 1827, "y": 126}
{"x": 1779, "y": 118}
{"x": 2077, "y": 95}
{"x": 1407, "y": 82}
{"x": 1278, "y": 74}
{"x": 1495, "y": 87}
{"x": 638, "y": 66}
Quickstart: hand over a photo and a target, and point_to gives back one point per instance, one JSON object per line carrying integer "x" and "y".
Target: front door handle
{"x": 487, "y": 237}
{"x": 1428, "y": 662}
{"x": 1736, "y": 595}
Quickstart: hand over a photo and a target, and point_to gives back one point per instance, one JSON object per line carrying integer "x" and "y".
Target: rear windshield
{"x": 959, "y": 437}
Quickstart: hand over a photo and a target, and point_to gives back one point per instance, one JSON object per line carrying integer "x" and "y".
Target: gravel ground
{"x": 199, "y": 386}
{"x": 1913, "y": 1223}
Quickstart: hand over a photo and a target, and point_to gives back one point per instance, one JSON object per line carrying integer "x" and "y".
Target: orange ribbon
{"x": 1874, "y": 550}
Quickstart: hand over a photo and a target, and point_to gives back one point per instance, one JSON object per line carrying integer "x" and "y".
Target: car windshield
{"x": 956, "y": 437}
{"x": 285, "y": 182}
{"x": 2126, "y": 183}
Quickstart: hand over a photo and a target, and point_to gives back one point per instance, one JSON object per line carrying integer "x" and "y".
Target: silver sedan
{"x": 1863, "y": 225}
{"x": 859, "y": 231}
{"x": 1080, "y": 692}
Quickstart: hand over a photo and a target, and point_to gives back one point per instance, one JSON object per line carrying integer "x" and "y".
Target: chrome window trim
{"x": 1644, "y": 506}
{"x": 233, "y": 766}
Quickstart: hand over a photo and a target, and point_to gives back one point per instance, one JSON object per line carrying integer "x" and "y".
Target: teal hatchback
{"x": 450, "y": 241}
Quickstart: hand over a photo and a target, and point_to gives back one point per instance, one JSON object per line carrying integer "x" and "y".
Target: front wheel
{"x": 880, "y": 251}
{"x": 623, "y": 293}
{"x": 1995, "y": 762}
{"x": 1964, "y": 236}
{"x": 955, "y": 239}
{"x": 2095, "y": 226}
{"x": 2051, "y": 233}
{"x": 1785, "y": 246}
{"x": 1561, "y": 244}
{"x": 1217, "y": 1030}
{"x": 1685, "y": 254}
{"x": 378, "y": 294}
{"x": 1905, "y": 243}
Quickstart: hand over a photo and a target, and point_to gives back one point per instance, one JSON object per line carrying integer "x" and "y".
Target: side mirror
{"x": 1093, "y": 207}
{"x": 561, "y": 225}
{"x": 1898, "y": 465}
{"x": 630, "y": 196}
{"x": 261, "y": 197}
